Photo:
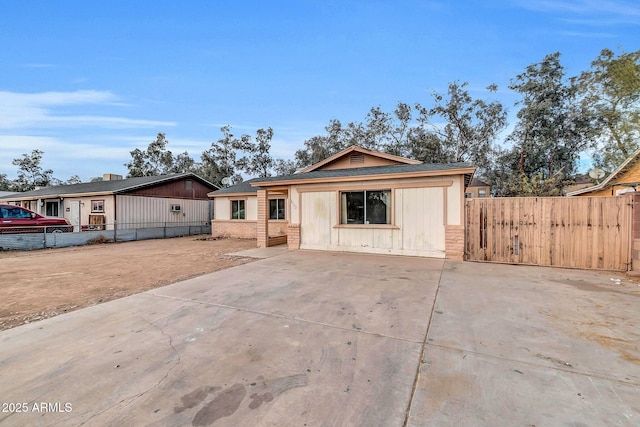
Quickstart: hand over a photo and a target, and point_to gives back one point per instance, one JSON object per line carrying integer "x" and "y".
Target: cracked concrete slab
{"x": 326, "y": 339}
{"x": 459, "y": 388}
{"x": 262, "y": 252}
{"x": 262, "y": 345}
{"x": 530, "y": 346}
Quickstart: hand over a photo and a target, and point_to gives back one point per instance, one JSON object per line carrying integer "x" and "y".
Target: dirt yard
{"x": 44, "y": 283}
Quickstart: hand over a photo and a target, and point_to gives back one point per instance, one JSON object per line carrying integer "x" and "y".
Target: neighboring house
{"x": 581, "y": 183}
{"x": 356, "y": 200}
{"x": 623, "y": 180}
{"x": 129, "y": 203}
{"x": 478, "y": 188}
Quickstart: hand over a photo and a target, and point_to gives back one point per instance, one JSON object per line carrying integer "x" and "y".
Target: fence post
{"x": 44, "y": 237}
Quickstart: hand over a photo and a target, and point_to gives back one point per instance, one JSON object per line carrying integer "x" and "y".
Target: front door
{"x": 74, "y": 215}
{"x": 52, "y": 208}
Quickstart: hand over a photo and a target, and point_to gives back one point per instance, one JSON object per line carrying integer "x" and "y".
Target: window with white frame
{"x": 97, "y": 206}
{"x": 365, "y": 207}
{"x": 237, "y": 209}
{"x": 276, "y": 209}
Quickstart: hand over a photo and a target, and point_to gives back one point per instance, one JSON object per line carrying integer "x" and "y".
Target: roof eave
{"x": 244, "y": 193}
{"x": 413, "y": 174}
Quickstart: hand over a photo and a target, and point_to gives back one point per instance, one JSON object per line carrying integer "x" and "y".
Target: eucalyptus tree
{"x": 30, "y": 172}
{"x": 552, "y": 130}
{"x": 610, "y": 92}
{"x": 459, "y": 128}
{"x": 156, "y": 159}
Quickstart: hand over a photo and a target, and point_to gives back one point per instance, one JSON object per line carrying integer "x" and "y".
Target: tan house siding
{"x": 475, "y": 192}
{"x": 614, "y": 185}
{"x": 424, "y": 206}
{"x": 417, "y": 224}
{"x": 358, "y": 160}
{"x": 85, "y": 209}
{"x": 599, "y": 193}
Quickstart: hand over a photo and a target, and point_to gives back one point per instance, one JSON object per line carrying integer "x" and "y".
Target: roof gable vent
{"x": 356, "y": 158}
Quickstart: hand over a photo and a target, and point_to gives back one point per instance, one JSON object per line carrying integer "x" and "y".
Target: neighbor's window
{"x": 97, "y": 206}
{"x": 188, "y": 185}
{"x": 365, "y": 207}
{"x": 237, "y": 209}
{"x": 276, "y": 209}
{"x": 482, "y": 192}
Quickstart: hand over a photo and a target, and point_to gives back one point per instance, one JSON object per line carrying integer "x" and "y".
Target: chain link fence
{"x": 19, "y": 238}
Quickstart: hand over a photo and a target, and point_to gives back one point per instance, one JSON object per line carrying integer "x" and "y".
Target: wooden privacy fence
{"x": 579, "y": 232}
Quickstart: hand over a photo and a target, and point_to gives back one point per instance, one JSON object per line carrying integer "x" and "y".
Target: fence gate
{"x": 579, "y": 232}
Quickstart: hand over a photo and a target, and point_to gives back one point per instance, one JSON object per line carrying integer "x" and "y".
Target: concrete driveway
{"x": 328, "y": 339}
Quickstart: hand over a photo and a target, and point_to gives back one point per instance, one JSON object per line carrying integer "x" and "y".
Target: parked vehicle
{"x": 15, "y": 219}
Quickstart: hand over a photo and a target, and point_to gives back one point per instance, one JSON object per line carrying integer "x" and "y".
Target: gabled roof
{"x": 241, "y": 188}
{"x": 610, "y": 180}
{"x": 103, "y": 187}
{"x": 478, "y": 183}
{"x": 355, "y": 148}
{"x": 406, "y": 170}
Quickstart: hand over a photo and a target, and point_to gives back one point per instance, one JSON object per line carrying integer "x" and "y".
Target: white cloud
{"x": 37, "y": 65}
{"x": 66, "y": 158}
{"x": 615, "y": 11}
{"x": 42, "y": 110}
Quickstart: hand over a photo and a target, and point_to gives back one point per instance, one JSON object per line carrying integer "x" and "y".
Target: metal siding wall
{"x": 136, "y": 212}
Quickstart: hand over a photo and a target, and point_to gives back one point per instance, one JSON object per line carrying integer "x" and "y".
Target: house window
{"x": 188, "y": 185}
{"x": 276, "y": 209}
{"x": 365, "y": 207}
{"x": 237, "y": 209}
{"x": 482, "y": 192}
{"x": 51, "y": 208}
{"x": 468, "y": 195}
{"x": 97, "y": 206}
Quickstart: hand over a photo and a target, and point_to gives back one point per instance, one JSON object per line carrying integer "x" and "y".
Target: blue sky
{"x": 86, "y": 82}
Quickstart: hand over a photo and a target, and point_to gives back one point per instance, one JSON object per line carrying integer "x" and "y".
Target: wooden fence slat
{"x": 578, "y": 232}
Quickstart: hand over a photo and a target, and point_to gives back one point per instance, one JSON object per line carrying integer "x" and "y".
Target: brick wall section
{"x": 636, "y": 215}
{"x": 262, "y": 225}
{"x": 635, "y": 234}
{"x": 454, "y": 242}
{"x": 278, "y": 227}
{"x": 233, "y": 228}
{"x": 293, "y": 236}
